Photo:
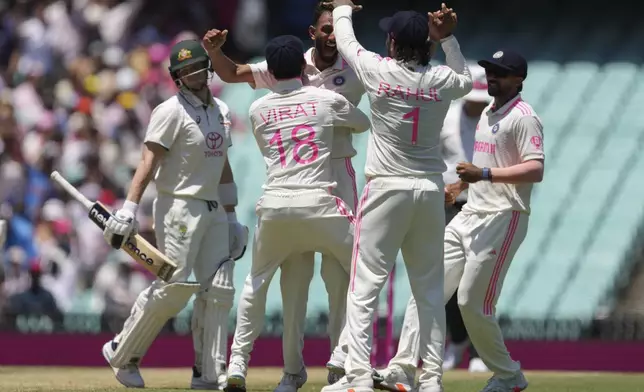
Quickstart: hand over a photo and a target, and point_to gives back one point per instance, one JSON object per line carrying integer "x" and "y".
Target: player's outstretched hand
{"x": 450, "y": 197}
{"x": 214, "y": 39}
{"x": 442, "y": 23}
{"x": 338, "y": 3}
{"x": 469, "y": 173}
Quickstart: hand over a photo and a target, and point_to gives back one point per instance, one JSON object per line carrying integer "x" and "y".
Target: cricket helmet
{"x": 185, "y": 53}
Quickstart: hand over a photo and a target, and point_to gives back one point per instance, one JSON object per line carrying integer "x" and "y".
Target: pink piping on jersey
{"x": 524, "y": 108}
{"x": 356, "y": 235}
{"x": 515, "y": 103}
{"x": 490, "y": 295}
{"x": 344, "y": 64}
{"x": 352, "y": 174}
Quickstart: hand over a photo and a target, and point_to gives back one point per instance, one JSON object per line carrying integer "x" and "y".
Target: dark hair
{"x": 409, "y": 53}
{"x": 289, "y": 70}
{"x": 320, "y": 9}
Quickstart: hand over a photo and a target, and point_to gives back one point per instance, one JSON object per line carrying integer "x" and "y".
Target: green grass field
{"x": 29, "y": 379}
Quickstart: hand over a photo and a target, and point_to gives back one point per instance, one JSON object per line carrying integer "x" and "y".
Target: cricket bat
{"x": 136, "y": 246}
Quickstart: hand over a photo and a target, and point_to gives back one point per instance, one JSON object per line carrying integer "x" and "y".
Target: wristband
{"x": 130, "y": 206}
{"x": 228, "y": 194}
{"x": 232, "y": 217}
{"x": 487, "y": 174}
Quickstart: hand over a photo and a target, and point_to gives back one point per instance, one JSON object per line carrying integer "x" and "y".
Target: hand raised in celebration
{"x": 214, "y": 39}
{"x": 469, "y": 173}
{"x": 338, "y": 3}
{"x": 441, "y": 23}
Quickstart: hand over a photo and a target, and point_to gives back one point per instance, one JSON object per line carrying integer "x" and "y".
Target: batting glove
{"x": 122, "y": 223}
{"x": 237, "y": 237}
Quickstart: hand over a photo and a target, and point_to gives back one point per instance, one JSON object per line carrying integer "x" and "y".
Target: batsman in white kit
{"x": 482, "y": 239}
{"x": 326, "y": 69}
{"x": 402, "y": 204}
{"x": 294, "y": 127}
{"x": 185, "y": 150}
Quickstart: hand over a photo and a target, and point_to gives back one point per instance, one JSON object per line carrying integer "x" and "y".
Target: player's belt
{"x": 212, "y": 205}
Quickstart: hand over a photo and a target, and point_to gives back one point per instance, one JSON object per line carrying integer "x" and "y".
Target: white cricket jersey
{"x": 339, "y": 78}
{"x": 197, "y": 137}
{"x": 408, "y": 103}
{"x": 505, "y": 137}
{"x": 457, "y": 141}
{"x": 294, "y": 129}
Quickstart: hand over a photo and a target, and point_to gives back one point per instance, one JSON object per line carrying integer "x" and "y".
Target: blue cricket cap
{"x": 283, "y": 52}
{"x": 408, "y": 28}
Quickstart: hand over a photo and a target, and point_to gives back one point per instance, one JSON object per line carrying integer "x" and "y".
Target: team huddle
{"x": 310, "y": 203}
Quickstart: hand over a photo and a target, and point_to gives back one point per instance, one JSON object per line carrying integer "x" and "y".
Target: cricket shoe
{"x": 236, "y": 381}
{"x": 128, "y": 375}
{"x": 454, "y": 355}
{"x": 477, "y": 366}
{"x": 515, "y": 383}
{"x": 336, "y": 371}
{"x": 394, "y": 379}
{"x": 292, "y": 382}
{"x": 343, "y": 385}
{"x": 199, "y": 383}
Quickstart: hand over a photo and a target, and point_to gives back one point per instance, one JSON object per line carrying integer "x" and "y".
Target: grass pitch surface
{"x": 54, "y": 379}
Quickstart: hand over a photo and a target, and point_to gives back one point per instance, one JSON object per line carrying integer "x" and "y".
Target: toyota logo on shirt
{"x": 214, "y": 141}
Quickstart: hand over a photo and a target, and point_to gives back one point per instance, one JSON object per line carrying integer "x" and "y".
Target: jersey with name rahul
{"x": 408, "y": 103}
{"x": 197, "y": 137}
{"x": 339, "y": 78}
{"x": 505, "y": 137}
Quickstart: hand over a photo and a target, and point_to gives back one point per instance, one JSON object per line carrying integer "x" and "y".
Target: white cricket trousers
{"x": 289, "y": 222}
{"x": 194, "y": 234}
{"x": 405, "y": 214}
{"x": 295, "y": 280}
{"x": 478, "y": 250}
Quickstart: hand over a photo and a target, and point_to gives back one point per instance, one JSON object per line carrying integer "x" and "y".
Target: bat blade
{"x": 137, "y": 247}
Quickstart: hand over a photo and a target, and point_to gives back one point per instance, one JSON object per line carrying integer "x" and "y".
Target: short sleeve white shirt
{"x": 197, "y": 137}
{"x": 505, "y": 137}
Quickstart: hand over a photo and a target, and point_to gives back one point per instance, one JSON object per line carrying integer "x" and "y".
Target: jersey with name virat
{"x": 197, "y": 137}
{"x": 408, "y": 103}
{"x": 294, "y": 129}
{"x": 339, "y": 78}
{"x": 507, "y": 136}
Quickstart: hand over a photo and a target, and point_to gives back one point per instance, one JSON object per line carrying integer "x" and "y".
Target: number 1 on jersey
{"x": 414, "y": 115}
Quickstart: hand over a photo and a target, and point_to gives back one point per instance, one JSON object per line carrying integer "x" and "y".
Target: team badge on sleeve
{"x": 495, "y": 128}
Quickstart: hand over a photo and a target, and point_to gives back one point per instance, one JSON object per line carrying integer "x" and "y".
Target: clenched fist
{"x": 214, "y": 39}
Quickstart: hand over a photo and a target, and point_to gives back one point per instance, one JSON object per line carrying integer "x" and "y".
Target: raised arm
{"x": 441, "y": 25}
{"x": 358, "y": 58}
{"x": 224, "y": 67}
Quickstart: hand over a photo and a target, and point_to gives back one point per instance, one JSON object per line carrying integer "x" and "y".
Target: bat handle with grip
{"x": 117, "y": 240}
{"x": 69, "y": 188}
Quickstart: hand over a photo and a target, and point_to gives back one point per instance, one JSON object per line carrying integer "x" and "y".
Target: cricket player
{"x": 294, "y": 127}
{"x": 457, "y": 141}
{"x": 482, "y": 239}
{"x": 185, "y": 150}
{"x": 326, "y": 69}
{"x": 402, "y": 205}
